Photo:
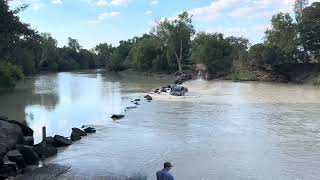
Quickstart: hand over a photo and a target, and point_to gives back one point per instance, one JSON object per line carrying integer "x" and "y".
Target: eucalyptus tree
{"x": 176, "y": 36}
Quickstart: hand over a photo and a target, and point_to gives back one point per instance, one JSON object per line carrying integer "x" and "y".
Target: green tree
{"x": 104, "y": 52}
{"x": 74, "y": 45}
{"x": 48, "y": 52}
{"x": 176, "y": 36}
{"x": 9, "y": 75}
{"x": 299, "y": 6}
{"x": 148, "y": 54}
{"x": 298, "y": 9}
{"x": 239, "y": 46}
{"x": 283, "y": 35}
{"x": 213, "y": 51}
{"x": 310, "y": 28}
{"x": 16, "y": 38}
{"x": 264, "y": 57}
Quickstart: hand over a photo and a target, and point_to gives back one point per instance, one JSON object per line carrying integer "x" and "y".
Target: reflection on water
{"x": 221, "y": 130}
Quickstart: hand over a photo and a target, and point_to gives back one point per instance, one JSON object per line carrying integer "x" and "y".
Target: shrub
{"x": 243, "y": 76}
{"x": 9, "y": 74}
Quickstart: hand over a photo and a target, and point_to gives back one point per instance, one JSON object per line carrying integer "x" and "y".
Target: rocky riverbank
{"x": 17, "y": 148}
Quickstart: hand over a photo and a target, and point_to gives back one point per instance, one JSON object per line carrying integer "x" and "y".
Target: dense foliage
{"x": 171, "y": 46}
{"x": 9, "y": 74}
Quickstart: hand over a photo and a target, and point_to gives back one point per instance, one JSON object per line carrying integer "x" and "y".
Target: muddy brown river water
{"x": 221, "y": 130}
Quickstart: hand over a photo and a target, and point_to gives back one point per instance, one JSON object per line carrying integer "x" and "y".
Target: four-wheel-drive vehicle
{"x": 178, "y": 90}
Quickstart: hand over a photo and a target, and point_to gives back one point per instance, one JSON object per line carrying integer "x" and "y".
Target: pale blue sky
{"x": 99, "y": 21}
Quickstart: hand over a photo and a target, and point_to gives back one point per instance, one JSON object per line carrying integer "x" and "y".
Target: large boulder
{"x": 27, "y": 131}
{"x": 117, "y": 116}
{"x": 29, "y": 155}
{"x": 3, "y": 150}
{"x": 45, "y": 150}
{"x": 1, "y": 161}
{"x": 8, "y": 169}
{"x": 49, "y": 140}
{"x": 61, "y": 141}
{"x": 90, "y": 130}
{"x": 10, "y": 136}
{"x": 75, "y": 136}
{"x": 4, "y": 118}
{"x": 79, "y": 131}
{"x": 28, "y": 140}
{"x": 16, "y": 156}
{"x": 148, "y": 97}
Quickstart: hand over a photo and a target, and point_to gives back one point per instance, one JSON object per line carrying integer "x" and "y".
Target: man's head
{"x": 167, "y": 166}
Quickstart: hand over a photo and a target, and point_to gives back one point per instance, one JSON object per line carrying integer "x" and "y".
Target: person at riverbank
{"x": 164, "y": 174}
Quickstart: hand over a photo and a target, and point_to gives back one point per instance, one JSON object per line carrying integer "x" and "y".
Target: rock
{"x": 4, "y": 118}
{"x": 117, "y": 116}
{"x": 75, "y": 136}
{"x": 131, "y": 107}
{"x": 8, "y": 169}
{"x": 182, "y": 78}
{"x": 90, "y": 130}
{"x": 148, "y": 97}
{"x": 137, "y": 100}
{"x": 136, "y": 103}
{"x": 79, "y": 131}
{"x": 157, "y": 90}
{"x": 61, "y": 141}
{"x": 23, "y": 125}
{"x": 16, "y": 156}
{"x": 164, "y": 89}
{"x": 3, "y": 150}
{"x": 1, "y": 161}
{"x": 49, "y": 140}
{"x": 10, "y": 136}
{"x": 45, "y": 150}
{"x": 28, "y": 140}
{"x": 29, "y": 155}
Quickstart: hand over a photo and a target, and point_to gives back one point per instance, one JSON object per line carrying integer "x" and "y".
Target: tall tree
{"x": 283, "y": 34}
{"x": 48, "y": 47}
{"x": 17, "y": 39}
{"x": 299, "y": 5}
{"x": 104, "y": 52}
{"x": 298, "y": 9}
{"x": 214, "y": 51}
{"x": 310, "y": 23}
{"x": 176, "y": 36}
{"x": 74, "y": 45}
{"x": 147, "y": 54}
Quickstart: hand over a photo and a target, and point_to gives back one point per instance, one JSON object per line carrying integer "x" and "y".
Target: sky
{"x": 99, "y": 21}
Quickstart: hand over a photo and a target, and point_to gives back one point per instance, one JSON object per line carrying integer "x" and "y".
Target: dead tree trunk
{"x": 179, "y": 58}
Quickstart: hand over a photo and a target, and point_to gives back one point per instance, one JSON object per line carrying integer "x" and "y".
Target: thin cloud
{"x": 103, "y": 16}
{"x": 148, "y": 12}
{"x": 242, "y": 9}
{"x": 104, "y": 3}
{"x": 36, "y": 4}
{"x": 154, "y": 2}
{"x": 56, "y": 1}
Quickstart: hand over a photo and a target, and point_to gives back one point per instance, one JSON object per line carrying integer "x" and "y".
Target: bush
{"x": 243, "y": 76}
{"x": 9, "y": 75}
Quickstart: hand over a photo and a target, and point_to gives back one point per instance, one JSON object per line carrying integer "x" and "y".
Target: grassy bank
{"x": 243, "y": 76}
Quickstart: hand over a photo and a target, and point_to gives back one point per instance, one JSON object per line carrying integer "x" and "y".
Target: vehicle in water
{"x": 178, "y": 90}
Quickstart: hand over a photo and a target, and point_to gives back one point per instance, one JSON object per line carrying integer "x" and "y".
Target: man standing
{"x": 164, "y": 173}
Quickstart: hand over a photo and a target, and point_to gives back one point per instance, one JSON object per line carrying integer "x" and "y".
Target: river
{"x": 221, "y": 130}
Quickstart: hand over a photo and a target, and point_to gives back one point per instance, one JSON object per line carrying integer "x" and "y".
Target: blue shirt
{"x": 164, "y": 175}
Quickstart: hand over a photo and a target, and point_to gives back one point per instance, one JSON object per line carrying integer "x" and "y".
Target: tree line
{"x": 171, "y": 46}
